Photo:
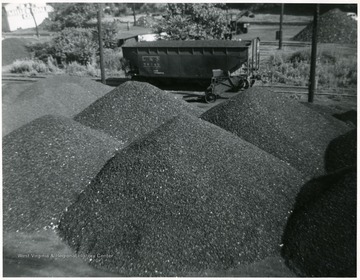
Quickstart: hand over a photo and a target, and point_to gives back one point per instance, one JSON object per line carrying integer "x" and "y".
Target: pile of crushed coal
{"x": 334, "y": 26}
{"x": 320, "y": 238}
{"x": 133, "y": 109}
{"x": 60, "y": 95}
{"x": 14, "y": 49}
{"x": 342, "y": 152}
{"x": 349, "y": 117}
{"x": 46, "y": 163}
{"x": 279, "y": 125}
{"x": 189, "y": 197}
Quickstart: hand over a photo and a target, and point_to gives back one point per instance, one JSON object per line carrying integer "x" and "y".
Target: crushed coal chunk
{"x": 279, "y": 125}
{"x": 46, "y": 164}
{"x": 132, "y": 110}
{"x": 57, "y": 95}
{"x": 320, "y": 237}
{"x": 187, "y": 198}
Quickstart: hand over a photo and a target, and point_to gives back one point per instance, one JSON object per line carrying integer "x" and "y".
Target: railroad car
{"x": 233, "y": 64}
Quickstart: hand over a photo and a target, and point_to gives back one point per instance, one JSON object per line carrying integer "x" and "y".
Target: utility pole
{"x": 281, "y": 24}
{"x": 101, "y": 44}
{"x": 312, "y": 80}
{"x": 134, "y": 13}
{"x": 33, "y": 16}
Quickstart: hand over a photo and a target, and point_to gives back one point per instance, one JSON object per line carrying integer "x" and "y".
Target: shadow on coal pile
{"x": 341, "y": 152}
{"x": 320, "y": 236}
{"x": 348, "y": 117}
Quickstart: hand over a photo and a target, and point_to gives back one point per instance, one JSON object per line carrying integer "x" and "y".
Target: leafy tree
{"x": 187, "y": 21}
{"x": 76, "y": 44}
{"x": 68, "y": 15}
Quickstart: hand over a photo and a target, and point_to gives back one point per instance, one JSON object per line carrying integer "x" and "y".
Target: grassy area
{"x": 336, "y": 67}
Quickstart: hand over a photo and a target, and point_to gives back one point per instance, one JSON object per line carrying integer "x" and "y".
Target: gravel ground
{"x": 333, "y": 27}
{"x": 60, "y": 95}
{"x": 46, "y": 163}
{"x": 187, "y": 198}
{"x": 342, "y": 152}
{"x": 279, "y": 125}
{"x": 320, "y": 238}
{"x": 133, "y": 109}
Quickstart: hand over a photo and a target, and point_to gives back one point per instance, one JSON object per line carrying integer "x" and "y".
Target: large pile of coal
{"x": 46, "y": 163}
{"x": 333, "y": 27}
{"x": 320, "y": 238}
{"x": 186, "y": 198}
{"x": 132, "y": 110}
{"x": 60, "y": 95}
{"x": 342, "y": 152}
{"x": 14, "y": 49}
{"x": 279, "y": 125}
{"x": 350, "y": 117}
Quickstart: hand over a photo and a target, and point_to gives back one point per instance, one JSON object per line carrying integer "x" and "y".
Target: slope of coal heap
{"x": 187, "y": 198}
{"x": 279, "y": 125}
{"x": 349, "y": 117}
{"x": 14, "y": 49}
{"x": 60, "y": 95}
{"x": 320, "y": 238}
{"x": 46, "y": 163}
{"x": 342, "y": 152}
{"x": 333, "y": 27}
{"x": 132, "y": 110}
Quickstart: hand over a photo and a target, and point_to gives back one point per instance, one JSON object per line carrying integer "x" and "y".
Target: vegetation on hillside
{"x": 333, "y": 69}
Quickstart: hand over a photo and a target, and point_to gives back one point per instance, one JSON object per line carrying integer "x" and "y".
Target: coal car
{"x": 233, "y": 64}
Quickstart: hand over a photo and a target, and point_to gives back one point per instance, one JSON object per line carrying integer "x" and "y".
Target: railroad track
{"x": 286, "y": 89}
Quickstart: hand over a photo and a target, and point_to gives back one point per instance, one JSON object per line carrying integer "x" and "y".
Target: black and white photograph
{"x": 179, "y": 139}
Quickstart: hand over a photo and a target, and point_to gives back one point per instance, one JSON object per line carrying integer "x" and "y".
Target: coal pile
{"x": 189, "y": 197}
{"x": 342, "y": 152}
{"x": 333, "y": 27}
{"x": 349, "y": 117}
{"x": 320, "y": 238}
{"x": 60, "y": 95}
{"x": 279, "y": 125}
{"x": 14, "y": 49}
{"x": 46, "y": 163}
{"x": 132, "y": 110}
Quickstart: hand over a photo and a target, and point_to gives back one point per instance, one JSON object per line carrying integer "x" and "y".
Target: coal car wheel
{"x": 210, "y": 98}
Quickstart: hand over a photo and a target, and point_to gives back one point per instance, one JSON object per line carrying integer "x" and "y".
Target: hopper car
{"x": 222, "y": 63}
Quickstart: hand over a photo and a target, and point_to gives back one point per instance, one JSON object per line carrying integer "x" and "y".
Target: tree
{"x": 187, "y": 21}
{"x": 68, "y": 15}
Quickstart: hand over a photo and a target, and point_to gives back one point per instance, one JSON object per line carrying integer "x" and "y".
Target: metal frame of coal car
{"x": 233, "y": 64}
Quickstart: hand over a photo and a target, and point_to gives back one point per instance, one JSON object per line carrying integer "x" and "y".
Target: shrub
{"x": 112, "y": 59}
{"x": 332, "y": 69}
{"x": 28, "y": 66}
{"x": 76, "y": 69}
{"x": 42, "y": 51}
{"x": 76, "y": 44}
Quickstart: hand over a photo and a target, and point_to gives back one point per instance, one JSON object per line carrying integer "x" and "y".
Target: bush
{"x": 332, "y": 69}
{"x": 76, "y": 45}
{"x": 75, "y": 69}
{"x": 113, "y": 59}
{"x": 28, "y": 66}
{"x": 42, "y": 51}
